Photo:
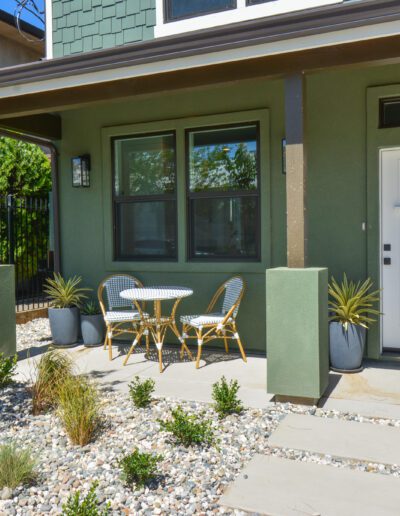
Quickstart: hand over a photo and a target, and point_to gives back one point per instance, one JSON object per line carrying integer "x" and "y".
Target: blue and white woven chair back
{"x": 114, "y": 286}
{"x": 233, "y": 290}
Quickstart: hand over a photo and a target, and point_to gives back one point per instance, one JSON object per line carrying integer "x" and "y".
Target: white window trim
{"x": 49, "y": 28}
{"x": 241, "y": 13}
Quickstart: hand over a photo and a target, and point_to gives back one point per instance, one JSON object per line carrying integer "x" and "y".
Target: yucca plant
{"x": 353, "y": 303}
{"x": 65, "y": 293}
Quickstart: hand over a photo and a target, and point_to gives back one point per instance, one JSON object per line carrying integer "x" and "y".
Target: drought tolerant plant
{"x": 88, "y": 506}
{"x": 353, "y": 303}
{"x": 79, "y": 409}
{"x": 225, "y": 396}
{"x": 7, "y": 368}
{"x": 65, "y": 293}
{"x": 138, "y": 467}
{"x": 188, "y": 429}
{"x": 17, "y": 466}
{"x": 91, "y": 307}
{"x": 52, "y": 370}
{"x": 141, "y": 391}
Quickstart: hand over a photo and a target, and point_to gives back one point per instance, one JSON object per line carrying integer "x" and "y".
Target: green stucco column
{"x": 297, "y": 333}
{"x": 7, "y": 310}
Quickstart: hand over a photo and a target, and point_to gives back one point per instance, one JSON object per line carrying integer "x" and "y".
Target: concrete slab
{"x": 350, "y": 439}
{"x": 282, "y": 487}
{"x": 375, "y": 409}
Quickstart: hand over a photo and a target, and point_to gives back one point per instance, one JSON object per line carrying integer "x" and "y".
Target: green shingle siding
{"x": 85, "y": 25}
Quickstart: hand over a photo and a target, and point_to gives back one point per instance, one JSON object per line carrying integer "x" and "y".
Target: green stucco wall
{"x": 338, "y": 198}
{"x": 7, "y": 310}
{"x": 85, "y": 25}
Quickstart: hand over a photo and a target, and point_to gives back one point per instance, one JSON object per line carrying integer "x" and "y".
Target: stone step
{"x": 361, "y": 441}
{"x": 282, "y": 487}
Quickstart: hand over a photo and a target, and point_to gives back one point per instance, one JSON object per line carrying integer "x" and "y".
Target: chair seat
{"x": 203, "y": 319}
{"x": 122, "y": 316}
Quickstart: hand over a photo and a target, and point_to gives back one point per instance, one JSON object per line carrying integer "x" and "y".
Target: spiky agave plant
{"x": 353, "y": 303}
{"x": 65, "y": 293}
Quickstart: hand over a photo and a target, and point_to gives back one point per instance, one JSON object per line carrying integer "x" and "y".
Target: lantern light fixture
{"x": 81, "y": 171}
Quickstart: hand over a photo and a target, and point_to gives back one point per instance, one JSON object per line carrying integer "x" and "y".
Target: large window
{"x": 144, "y": 197}
{"x": 223, "y": 193}
{"x": 180, "y": 9}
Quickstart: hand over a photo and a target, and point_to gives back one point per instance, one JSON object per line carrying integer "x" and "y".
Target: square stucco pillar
{"x": 7, "y": 310}
{"x": 297, "y": 333}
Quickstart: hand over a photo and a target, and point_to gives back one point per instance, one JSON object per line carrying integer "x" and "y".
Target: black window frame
{"x": 226, "y": 194}
{"x": 258, "y": 2}
{"x": 168, "y": 18}
{"x": 117, "y": 199}
{"x": 382, "y": 103}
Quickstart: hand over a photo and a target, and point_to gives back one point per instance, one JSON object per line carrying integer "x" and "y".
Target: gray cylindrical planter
{"x": 64, "y": 325}
{"x": 93, "y": 329}
{"x": 346, "y": 347}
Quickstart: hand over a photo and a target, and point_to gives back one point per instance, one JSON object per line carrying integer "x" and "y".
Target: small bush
{"x": 141, "y": 392}
{"x": 188, "y": 429}
{"x": 139, "y": 467}
{"x": 53, "y": 369}
{"x": 79, "y": 409}
{"x": 17, "y": 467}
{"x": 225, "y": 396}
{"x": 7, "y": 369}
{"x": 88, "y": 506}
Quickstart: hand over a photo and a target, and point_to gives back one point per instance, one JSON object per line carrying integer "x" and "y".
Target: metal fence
{"x": 24, "y": 242}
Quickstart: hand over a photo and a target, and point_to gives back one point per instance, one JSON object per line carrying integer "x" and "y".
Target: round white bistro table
{"x": 157, "y": 324}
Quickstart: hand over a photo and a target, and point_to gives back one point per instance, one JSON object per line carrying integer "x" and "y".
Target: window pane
{"x": 223, "y": 159}
{"x": 224, "y": 227}
{"x": 390, "y": 113}
{"x": 144, "y": 165}
{"x": 186, "y": 8}
{"x": 146, "y": 229}
{"x": 253, "y": 2}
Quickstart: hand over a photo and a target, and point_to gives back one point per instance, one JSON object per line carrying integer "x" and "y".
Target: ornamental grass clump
{"x": 353, "y": 303}
{"x": 50, "y": 373}
{"x": 225, "y": 396}
{"x": 79, "y": 409}
{"x": 139, "y": 467}
{"x": 17, "y": 466}
{"x": 141, "y": 391}
{"x": 87, "y": 506}
{"x": 188, "y": 429}
{"x": 7, "y": 369}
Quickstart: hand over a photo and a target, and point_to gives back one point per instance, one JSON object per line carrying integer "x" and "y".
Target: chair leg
{"x": 147, "y": 343}
{"x": 109, "y": 348}
{"x": 226, "y": 344}
{"x": 134, "y": 343}
{"x": 200, "y": 345}
{"x": 106, "y": 338}
{"x": 160, "y": 363}
{"x": 240, "y": 346}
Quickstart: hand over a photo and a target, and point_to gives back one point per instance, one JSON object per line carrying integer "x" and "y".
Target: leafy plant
{"x": 225, "y": 396}
{"x": 65, "y": 293}
{"x": 79, "y": 409}
{"x": 188, "y": 429}
{"x": 91, "y": 308}
{"x": 141, "y": 391}
{"x": 139, "y": 467}
{"x": 88, "y": 506}
{"x": 17, "y": 466}
{"x": 7, "y": 368}
{"x": 353, "y": 303}
{"x": 53, "y": 369}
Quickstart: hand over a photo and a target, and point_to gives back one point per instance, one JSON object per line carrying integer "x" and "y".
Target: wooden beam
{"x": 296, "y": 170}
{"x": 45, "y": 126}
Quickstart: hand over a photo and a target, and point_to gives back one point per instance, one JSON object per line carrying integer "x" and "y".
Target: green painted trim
{"x": 179, "y": 126}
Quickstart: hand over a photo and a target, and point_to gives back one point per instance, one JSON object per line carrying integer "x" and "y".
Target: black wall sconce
{"x": 81, "y": 171}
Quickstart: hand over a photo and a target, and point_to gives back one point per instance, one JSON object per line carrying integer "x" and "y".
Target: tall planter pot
{"x": 64, "y": 325}
{"x": 93, "y": 329}
{"x": 346, "y": 347}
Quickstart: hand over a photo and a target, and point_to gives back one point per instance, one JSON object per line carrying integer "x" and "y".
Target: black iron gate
{"x": 25, "y": 242}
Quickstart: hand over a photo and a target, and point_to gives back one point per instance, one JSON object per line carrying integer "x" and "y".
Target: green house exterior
{"x": 343, "y": 84}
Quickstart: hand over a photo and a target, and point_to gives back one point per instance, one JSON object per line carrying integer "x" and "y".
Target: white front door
{"x": 390, "y": 247}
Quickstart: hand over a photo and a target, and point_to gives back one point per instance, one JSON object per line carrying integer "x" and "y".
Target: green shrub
{"x": 79, "y": 409}
{"x": 225, "y": 396}
{"x": 139, "y": 467}
{"x": 88, "y": 506}
{"x": 188, "y": 429}
{"x": 65, "y": 293}
{"x": 141, "y": 391}
{"x": 52, "y": 370}
{"x": 17, "y": 466}
{"x": 7, "y": 368}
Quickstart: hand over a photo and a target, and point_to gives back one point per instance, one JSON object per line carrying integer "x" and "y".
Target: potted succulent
{"x": 65, "y": 298}
{"x": 92, "y": 324}
{"x": 351, "y": 312}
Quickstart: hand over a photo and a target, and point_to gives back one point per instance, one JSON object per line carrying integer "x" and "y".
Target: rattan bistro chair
{"x": 217, "y": 324}
{"x": 119, "y": 315}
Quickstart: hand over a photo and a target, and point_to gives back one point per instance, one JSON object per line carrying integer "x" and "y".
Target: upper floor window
{"x": 181, "y": 9}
